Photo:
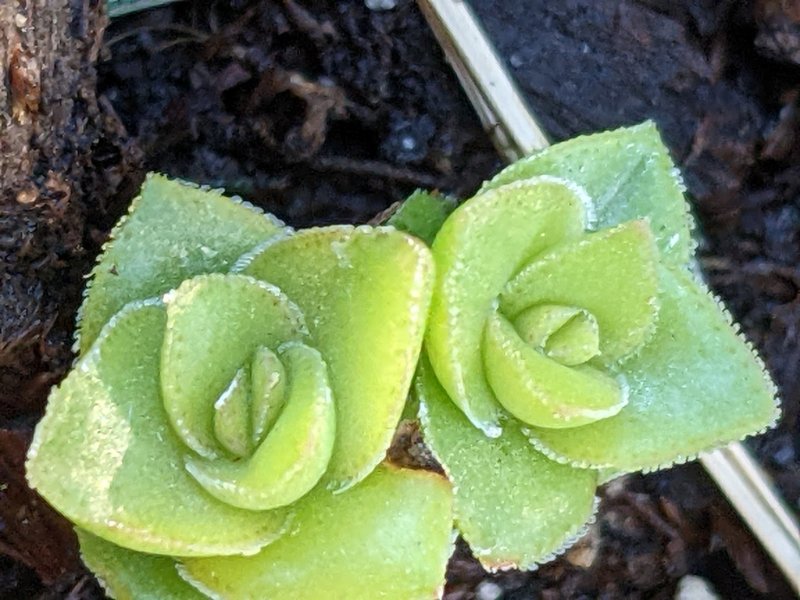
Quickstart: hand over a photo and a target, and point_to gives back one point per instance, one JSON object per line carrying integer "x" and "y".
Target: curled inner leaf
{"x": 106, "y": 456}
{"x": 295, "y": 453}
{"x": 567, "y": 334}
{"x": 269, "y": 391}
{"x": 538, "y": 390}
{"x": 365, "y": 294}
{"x": 479, "y": 248}
{"x": 611, "y": 274}
{"x": 232, "y": 416}
{"x": 204, "y": 417}
{"x": 588, "y": 336}
{"x": 215, "y": 326}
{"x": 551, "y": 305}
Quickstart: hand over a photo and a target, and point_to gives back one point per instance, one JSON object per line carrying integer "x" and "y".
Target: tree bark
{"x": 62, "y": 158}
{"x": 64, "y": 161}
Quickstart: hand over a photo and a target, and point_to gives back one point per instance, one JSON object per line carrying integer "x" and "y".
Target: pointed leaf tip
{"x": 515, "y": 507}
{"x": 696, "y": 385}
{"x": 174, "y": 230}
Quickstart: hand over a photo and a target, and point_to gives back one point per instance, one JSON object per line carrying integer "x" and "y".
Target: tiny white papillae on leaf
{"x": 238, "y": 385}
{"x": 568, "y": 328}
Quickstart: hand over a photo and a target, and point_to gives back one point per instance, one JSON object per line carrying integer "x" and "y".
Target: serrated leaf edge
{"x": 140, "y": 534}
{"x": 120, "y": 224}
{"x": 570, "y": 537}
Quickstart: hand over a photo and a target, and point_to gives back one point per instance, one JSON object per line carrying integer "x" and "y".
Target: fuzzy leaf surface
{"x": 106, "y": 457}
{"x": 514, "y": 506}
{"x": 129, "y": 575}
{"x": 365, "y": 294}
{"x": 422, "y": 214}
{"x": 611, "y": 274}
{"x": 480, "y": 246}
{"x": 387, "y": 537}
{"x": 295, "y": 453}
{"x": 629, "y": 175}
{"x": 215, "y": 324}
{"x": 173, "y": 231}
{"x": 540, "y": 391}
{"x": 694, "y": 386}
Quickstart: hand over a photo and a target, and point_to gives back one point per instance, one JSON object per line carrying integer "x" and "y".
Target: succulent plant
{"x": 570, "y": 340}
{"x": 238, "y": 384}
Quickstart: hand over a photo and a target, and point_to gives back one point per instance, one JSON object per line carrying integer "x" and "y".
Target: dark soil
{"x": 329, "y": 112}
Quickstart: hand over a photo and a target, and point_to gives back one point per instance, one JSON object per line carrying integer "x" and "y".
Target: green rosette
{"x": 236, "y": 381}
{"x": 569, "y": 338}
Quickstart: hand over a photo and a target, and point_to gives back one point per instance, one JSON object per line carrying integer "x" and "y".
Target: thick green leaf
{"x": 479, "y": 248}
{"x": 173, "y": 231}
{"x": 365, "y": 294}
{"x": 695, "y": 386}
{"x": 388, "y": 537}
{"x": 215, "y": 324}
{"x": 540, "y": 391}
{"x": 628, "y": 174}
{"x": 566, "y": 334}
{"x": 294, "y": 455}
{"x": 611, "y": 273}
{"x": 514, "y": 506}
{"x": 422, "y": 214}
{"x": 232, "y": 416}
{"x": 269, "y": 391}
{"x": 105, "y": 456}
{"x": 128, "y": 575}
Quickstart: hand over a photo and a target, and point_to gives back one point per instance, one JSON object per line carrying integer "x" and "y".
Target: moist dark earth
{"x": 325, "y": 112}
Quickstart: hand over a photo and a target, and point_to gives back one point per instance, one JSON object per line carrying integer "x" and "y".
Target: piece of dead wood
{"x": 51, "y": 177}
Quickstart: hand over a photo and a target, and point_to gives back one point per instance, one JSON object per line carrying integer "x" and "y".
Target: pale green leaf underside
{"x": 174, "y": 231}
{"x": 295, "y": 453}
{"x": 129, "y": 575}
{"x": 628, "y": 174}
{"x": 514, "y": 506}
{"x": 695, "y": 386}
{"x": 388, "y": 537}
{"x": 106, "y": 457}
{"x": 215, "y": 324}
{"x": 365, "y": 294}
{"x": 483, "y": 243}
